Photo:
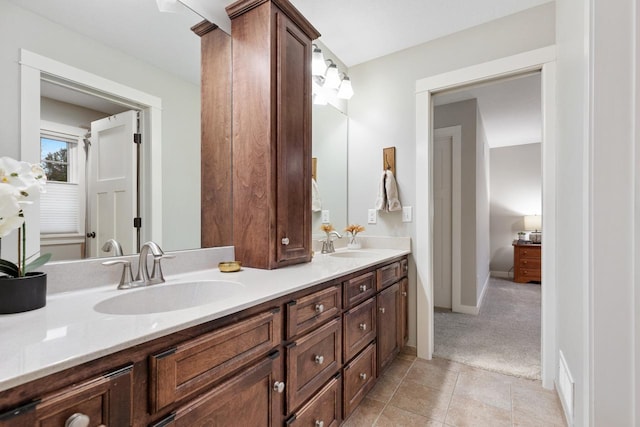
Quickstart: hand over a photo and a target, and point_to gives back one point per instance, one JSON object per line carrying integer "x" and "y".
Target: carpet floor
{"x": 505, "y": 335}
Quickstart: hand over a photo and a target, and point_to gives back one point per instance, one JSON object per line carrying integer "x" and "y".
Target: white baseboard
{"x": 472, "y": 309}
{"x": 484, "y": 291}
{"x": 501, "y": 274}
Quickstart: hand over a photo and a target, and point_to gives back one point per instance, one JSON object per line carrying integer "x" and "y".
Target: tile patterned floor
{"x": 442, "y": 393}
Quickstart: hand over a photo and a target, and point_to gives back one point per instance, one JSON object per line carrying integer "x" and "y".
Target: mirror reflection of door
{"x": 111, "y": 183}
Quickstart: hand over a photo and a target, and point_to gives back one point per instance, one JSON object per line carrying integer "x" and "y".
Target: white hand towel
{"x": 316, "y": 202}
{"x": 391, "y": 189}
{"x": 381, "y": 200}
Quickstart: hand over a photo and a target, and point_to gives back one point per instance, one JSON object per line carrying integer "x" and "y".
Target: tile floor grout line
{"x": 394, "y": 391}
{"x": 446, "y": 413}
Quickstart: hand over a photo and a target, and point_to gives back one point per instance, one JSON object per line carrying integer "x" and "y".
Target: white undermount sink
{"x": 353, "y": 254}
{"x": 163, "y": 298}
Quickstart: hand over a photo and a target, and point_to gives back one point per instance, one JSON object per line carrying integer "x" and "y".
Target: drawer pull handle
{"x": 363, "y": 288}
{"x": 404, "y": 294}
{"x": 278, "y": 386}
{"x": 285, "y": 241}
{"x": 381, "y": 309}
{"x": 77, "y": 420}
{"x": 363, "y": 376}
{"x": 405, "y": 267}
{"x": 363, "y": 326}
{"x": 319, "y": 359}
{"x": 319, "y": 423}
{"x": 319, "y": 308}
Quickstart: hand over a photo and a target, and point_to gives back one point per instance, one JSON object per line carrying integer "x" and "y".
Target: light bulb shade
{"x": 319, "y": 98}
{"x": 533, "y": 222}
{"x": 318, "y": 65}
{"x": 332, "y": 77}
{"x": 345, "y": 91}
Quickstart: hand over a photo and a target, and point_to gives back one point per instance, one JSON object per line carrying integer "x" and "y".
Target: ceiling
{"x": 165, "y": 40}
{"x": 511, "y": 109}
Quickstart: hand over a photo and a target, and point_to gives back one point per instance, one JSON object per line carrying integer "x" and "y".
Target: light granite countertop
{"x": 69, "y": 330}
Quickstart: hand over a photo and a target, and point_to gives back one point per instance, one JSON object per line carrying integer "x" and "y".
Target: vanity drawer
{"x": 246, "y": 399}
{"x": 389, "y": 274}
{"x": 311, "y": 361}
{"x": 359, "y": 327}
{"x": 359, "y": 377}
{"x": 182, "y": 371}
{"x": 312, "y": 310}
{"x": 106, "y": 400}
{"x": 325, "y": 409}
{"x": 359, "y": 289}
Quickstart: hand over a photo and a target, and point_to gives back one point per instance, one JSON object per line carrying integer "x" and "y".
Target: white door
{"x": 112, "y": 180}
{"x": 442, "y": 221}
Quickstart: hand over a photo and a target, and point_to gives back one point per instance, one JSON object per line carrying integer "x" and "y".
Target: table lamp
{"x": 533, "y": 223}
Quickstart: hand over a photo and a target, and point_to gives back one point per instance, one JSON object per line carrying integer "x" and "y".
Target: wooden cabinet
{"x": 310, "y": 311}
{"x": 359, "y": 327}
{"x": 271, "y": 62}
{"x": 388, "y": 322}
{"x": 527, "y": 262}
{"x": 311, "y": 361}
{"x": 403, "y": 324}
{"x": 322, "y": 410}
{"x": 359, "y": 289}
{"x": 389, "y": 274}
{"x": 253, "y": 397}
{"x": 106, "y": 400}
{"x": 182, "y": 371}
{"x": 359, "y": 378}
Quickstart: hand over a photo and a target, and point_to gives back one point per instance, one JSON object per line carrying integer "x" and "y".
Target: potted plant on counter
{"x": 353, "y": 230}
{"x": 21, "y": 289}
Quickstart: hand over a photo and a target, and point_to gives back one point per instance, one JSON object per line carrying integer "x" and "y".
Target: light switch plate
{"x": 372, "y": 217}
{"x": 326, "y": 218}
{"x": 407, "y": 214}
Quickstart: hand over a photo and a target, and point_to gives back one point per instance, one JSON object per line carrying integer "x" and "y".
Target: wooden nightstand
{"x": 527, "y": 262}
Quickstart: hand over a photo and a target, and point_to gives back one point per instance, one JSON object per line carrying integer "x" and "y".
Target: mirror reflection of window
{"x": 54, "y": 158}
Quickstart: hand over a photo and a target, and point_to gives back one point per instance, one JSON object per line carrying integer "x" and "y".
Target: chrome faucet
{"x": 142, "y": 278}
{"x": 327, "y": 244}
{"x": 143, "y": 268}
{"x": 112, "y": 244}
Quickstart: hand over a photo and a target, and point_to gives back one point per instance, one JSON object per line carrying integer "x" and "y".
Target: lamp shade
{"x": 332, "y": 76}
{"x": 345, "y": 91}
{"x": 318, "y": 65}
{"x": 533, "y": 222}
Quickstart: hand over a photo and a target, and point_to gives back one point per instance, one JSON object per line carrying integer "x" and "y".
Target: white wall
{"x": 180, "y": 115}
{"x": 483, "y": 240}
{"x": 516, "y": 190}
{"x": 56, "y": 111}
{"x": 382, "y": 111}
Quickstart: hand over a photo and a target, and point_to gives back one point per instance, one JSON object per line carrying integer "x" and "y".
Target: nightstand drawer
{"x": 530, "y": 274}
{"x": 530, "y": 263}
{"x": 530, "y": 252}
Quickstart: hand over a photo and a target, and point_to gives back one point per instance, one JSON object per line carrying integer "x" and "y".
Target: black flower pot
{"x": 18, "y": 294}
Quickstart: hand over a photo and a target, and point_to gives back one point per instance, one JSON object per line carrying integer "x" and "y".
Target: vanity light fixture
{"x": 318, "y": 65}
{"x": 345, "y": 91}
{"x": 331, "y": 76}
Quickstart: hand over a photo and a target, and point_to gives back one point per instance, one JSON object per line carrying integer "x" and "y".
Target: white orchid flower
{"x": 10, "y": 209}
{"x": 27, "y": 178}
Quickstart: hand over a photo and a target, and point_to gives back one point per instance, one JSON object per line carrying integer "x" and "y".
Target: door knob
{"x": 77, "y": 420}
{"x": 285, "y": 241}
{"x": 363, "y": 288}
{"x": 381, "y": 310}
{"x": 319, "y": 308}
{"x": 91, "y": 235}
{"x": 319, "y": 359}
{"x": 363, "y": 326}
{"x": 278, "y": 386}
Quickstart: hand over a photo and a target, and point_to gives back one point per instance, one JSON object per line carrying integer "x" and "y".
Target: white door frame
{"x": 540, "y": 59}
{"x": 32, "y": 66}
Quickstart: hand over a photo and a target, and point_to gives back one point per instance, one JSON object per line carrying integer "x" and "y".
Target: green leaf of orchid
{"x": 40, "y": 261}
{"x": 9, "y": 268}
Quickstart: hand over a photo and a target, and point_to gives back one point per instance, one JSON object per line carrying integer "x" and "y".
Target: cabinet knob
{"x": 278, "y": 386}
{"x": 363, "y": 326}
{"x": 77, "y": 420}
{"x": 404, "y": 294}
{"x": 319, "y": 359}
{"x": 381, "y": 309}
{"x": 285, "y": 241}
{"x": 363, "y": 376}
{"x": 319, "y": 423}
{"x": 363, "y": 288}
{"x": 319, "y": 308}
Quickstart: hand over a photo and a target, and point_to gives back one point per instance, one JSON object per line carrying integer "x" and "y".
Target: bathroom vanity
{"x": 295, "y": 346}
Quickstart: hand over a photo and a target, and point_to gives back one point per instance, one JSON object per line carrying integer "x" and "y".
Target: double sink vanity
{"x": 298, "y": 346}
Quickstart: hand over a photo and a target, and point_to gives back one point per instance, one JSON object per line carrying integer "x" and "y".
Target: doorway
{"x": 543, "y": 60}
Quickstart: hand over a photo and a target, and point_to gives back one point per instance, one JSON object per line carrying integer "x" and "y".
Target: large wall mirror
{"x": 94, "y": 38}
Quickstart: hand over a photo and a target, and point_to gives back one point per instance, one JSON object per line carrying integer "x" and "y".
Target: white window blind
{"x": 59, "y": 208}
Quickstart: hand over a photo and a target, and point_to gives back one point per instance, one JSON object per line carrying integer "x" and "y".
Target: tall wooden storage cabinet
{"x": 271, "y": 126}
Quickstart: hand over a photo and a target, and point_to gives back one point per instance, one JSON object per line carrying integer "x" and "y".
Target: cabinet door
{"x": 404, "y": 310}
{"x": 251, "y": 398}
{"x": 105, "y": 401}
{"x": 293, "y": 142}
{"x": 388, "y": 338}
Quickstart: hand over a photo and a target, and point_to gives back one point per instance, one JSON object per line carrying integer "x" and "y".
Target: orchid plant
{"x": 20, "y": 184}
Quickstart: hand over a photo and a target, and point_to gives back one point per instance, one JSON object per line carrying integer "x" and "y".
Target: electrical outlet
{"x": 407, "y": 214}
{"x": 326, "y": 218}
{"x": 372, "y": 218}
